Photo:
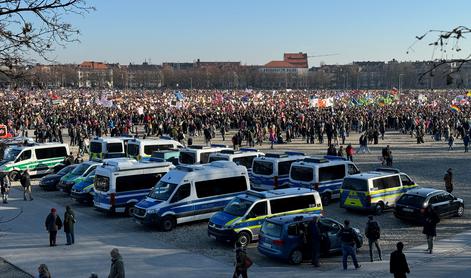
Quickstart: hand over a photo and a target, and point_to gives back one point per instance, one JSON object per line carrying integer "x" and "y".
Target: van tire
{"x": 244, "y": 238}
{"x": 129, "y": 209}
{"x": 14, "y": 175}
{"x": 325, "y": 198}
{"x": 167, "y": 223}
{"x": 296, "y": 257}
{"x": 379, "y": 208}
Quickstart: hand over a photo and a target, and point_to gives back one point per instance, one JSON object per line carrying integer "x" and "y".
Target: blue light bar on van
{"x": 229, "y": 152}
{"x": 248, "y": 150}
{"x": 218, "y": 146}
{"x": 315, "y": 160}
{"x": 334, "y": 157}
{"x": 276, "y": 155}
{"x": 255, "y": 194}
{"x": 166, "y": 137}
{"x": 197, "y": 147}
{"x": 294, "y": 153}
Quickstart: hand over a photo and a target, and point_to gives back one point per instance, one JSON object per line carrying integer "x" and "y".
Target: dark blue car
{"x": 50, "y": 181}
{"x": 283, "y": 237}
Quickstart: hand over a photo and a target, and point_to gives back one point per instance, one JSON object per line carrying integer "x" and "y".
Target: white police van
{"x": 324, "y": 174}
{"x": 197, "y": 154}
{"x": 244, "y": 156}
{"x": 143, "y": 148}
{"x": 121, "y": 183}
{"x": 272, "y": 170}
{"x": 190, "y": 193}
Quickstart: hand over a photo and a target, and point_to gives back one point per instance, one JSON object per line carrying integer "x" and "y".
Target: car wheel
{"x": 325, "y": 198}
{"x": 244, "y": 238}
{"x": 379, "y": 208}
{"x": 167, "y": 223}
{"x": 296, "y": 257}
{"x": 460, "y": 211}
{"x": 129, "y": 210}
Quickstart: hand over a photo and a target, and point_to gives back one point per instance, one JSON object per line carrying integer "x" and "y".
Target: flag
{"x": 313, "y": 102}
{"x": 179, "y": 96}
{"x": 455, "y": 108}
{"x": 468, "y": 94}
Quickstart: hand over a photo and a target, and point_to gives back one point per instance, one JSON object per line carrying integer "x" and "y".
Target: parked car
{"x": 414, "y": 203}
{"x": 83, "y": 191}
{"x": 49, "y": 182}
{"x": 282, "y": 237}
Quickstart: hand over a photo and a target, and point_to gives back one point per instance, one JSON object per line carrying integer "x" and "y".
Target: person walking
{"x": 466, "y": 143}
{"x": 448, "y": 178}
{"x": 5, "y": 187}
{"x": 242, "y": 263}
{"x": 315, "y": 237}
{"x": 431, "y": 220}
{"x": 451, "y": 142}
{"x": 349, "y": 150}
{"x": 349, "y": 239}
{"x": 25, "y": 181}
{"x": 398, "y": 263}
{"x": 69, "y": 223}
{"x": 117, "y": 265}
{"x": 373, "y": 233}
{"x": 43, "y": 271}
{"x": 53, "y": 224}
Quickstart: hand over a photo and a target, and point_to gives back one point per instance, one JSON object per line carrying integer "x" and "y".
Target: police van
{"x": 143, "y": 148}
{"x": 244, "y": 156}
{"x": 272, "y": 170}
{"x": 190, "y": 193}
{"x": 375, "y": 190}
{"x": 242, "y": 218}
{"x": 197, "y": 154}
{"x": 121, "y": 183}
{"x": 38, "y": 159}
{"x": 324, "y": 174}
{"x": 107, "y": 147}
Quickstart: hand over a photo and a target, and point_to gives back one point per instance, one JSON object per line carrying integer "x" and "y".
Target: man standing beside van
{"x": 315, "y": 236}
{"x": 349, "y": 239}
{"x": 25, "y": 181}
{"x": 373, "y": 234}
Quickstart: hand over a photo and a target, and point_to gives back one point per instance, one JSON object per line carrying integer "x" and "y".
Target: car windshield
{"x": 80, "y": 169}
{"x": 355, "y": 184}
{"x": 302, "y": 173}
{"x": 238, "y": 207}
{"x": 187, "y": 158}
{"x": 162, "y": 191}
{"x": 66, "y": 170}
{"x": 411, "y": 200}
{"x": 11, "y": 154}
{"x": 271, "y": 229}
{"x": 262, "y": 167}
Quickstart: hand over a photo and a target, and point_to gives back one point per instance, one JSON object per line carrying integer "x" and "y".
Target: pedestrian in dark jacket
{"x": 117, "y": 265}
{"x": 43, "y": 271}
{"x": 315, "y": 236}
{"x": 241, "y": 262}
{"x": 69, "y": 222}
{"x": 5, "y": 187}
{"x": 448, "y": 178}
{"x": 430, "y": 227}
{"x": 25, "y": 181}
{"x": 373, "y": 233}
{"x": 349, "y": 239}
{"x": 53, "y": 224}
{"x": 398, "y": 263}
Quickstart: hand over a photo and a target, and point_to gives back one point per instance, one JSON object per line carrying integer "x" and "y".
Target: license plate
{"x": 267, "y": 245}
{"x": 408, "y": 209}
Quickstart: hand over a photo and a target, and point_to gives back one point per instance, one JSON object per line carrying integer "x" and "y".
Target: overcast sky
{"x": 257, "y": 31}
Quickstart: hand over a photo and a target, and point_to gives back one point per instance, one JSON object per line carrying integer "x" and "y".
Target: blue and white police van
{"x": 197, "y": 154}
{"x": 324, "y": 174}
{"x": 121, "y": 183}
{"x": 272, "y": 170}
{"x": 190, "y": 193}
{"x": 244, "y": 156}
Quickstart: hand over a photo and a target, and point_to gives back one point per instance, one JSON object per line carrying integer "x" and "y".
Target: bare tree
{"x": 35, "y": 27}
{"x": 445, "y": 43}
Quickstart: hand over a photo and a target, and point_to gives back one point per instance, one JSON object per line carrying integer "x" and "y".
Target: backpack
{"x": 373, "y": 231}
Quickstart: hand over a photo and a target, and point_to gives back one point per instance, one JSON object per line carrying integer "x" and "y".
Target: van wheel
{"x": 460, "y": 211}
{"x": 296, "y": 257}
{"x": 167, "y": 223}
{"x": 129, "y": 210}
{"x": 379, "y": 208}
{"x": 325, "y": 198}
{"x": 13, "y": 175}
{"x": 244, "y": 238}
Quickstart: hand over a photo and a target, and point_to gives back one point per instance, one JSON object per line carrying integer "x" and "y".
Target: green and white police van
{"x": 38, "y": 159}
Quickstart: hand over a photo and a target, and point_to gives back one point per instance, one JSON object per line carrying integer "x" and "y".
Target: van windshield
{"x": 102, "y": 183}
{"x": 302, "y": 173}
{"x": 162, "y": 191}
{"x": 262, "y": 167}
{"x": 187, "y": 158}
{"x": 79, "y": 170}
{"x": 238, "y": 207}
{"x": 11, "y": 154}
{"x": 133, "y": 149}
{"x": 355, "y": 184}
{"x": 114, "y": 147}
{"x": 95, "y": 147}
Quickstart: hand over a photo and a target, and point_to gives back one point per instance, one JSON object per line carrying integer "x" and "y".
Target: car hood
{"x": 222, "y": 218}
{"x": 81, "y": 185}
{"x": 148, "y": 202}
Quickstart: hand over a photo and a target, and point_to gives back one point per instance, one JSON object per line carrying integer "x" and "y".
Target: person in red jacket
{"x": 349, "y": 150}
